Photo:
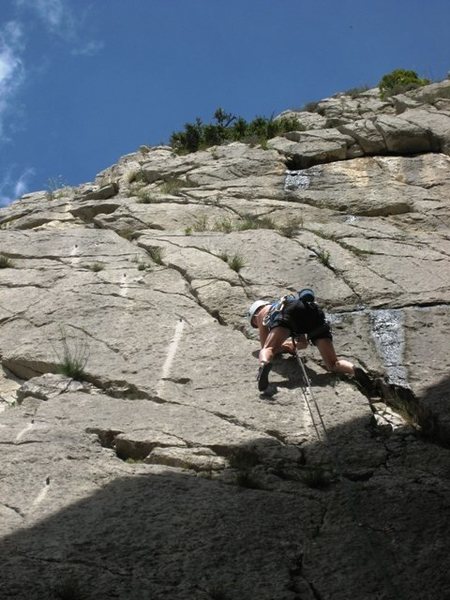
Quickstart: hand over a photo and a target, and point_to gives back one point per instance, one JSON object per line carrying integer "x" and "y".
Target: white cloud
{"x": 21, "y": 186}
{"x": 55, "y": 14}
{"x": 12, "y": 187}
{"x": 89, "y": 49}
{"x": 12, "y": 71}
{"x": 61, "y": 20}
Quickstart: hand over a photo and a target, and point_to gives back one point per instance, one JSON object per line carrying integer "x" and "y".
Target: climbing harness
{"x": 276, "y": 308}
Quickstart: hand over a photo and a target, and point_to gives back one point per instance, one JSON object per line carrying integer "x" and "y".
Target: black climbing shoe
{"x": 263, "y": 376}
{"x": 363, "y": 380}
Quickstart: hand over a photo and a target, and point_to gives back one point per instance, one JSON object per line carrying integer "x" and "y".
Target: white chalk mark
{"x": 41, "y": 494}
{"x": 75, "y": 259}
{"x": 124, "y": 286}
{"x": 24, "y": 431}
{"x": 173, "y": 347}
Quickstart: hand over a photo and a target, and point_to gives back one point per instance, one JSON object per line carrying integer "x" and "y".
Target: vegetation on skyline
{"x": 229, "y": 128}
{"x": 399, "y": 81}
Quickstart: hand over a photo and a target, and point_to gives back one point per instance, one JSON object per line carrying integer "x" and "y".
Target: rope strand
{"x": 380, "y": 557}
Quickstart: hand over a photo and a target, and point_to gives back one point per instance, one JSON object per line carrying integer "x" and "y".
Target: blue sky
{"x": 83, "y": 82}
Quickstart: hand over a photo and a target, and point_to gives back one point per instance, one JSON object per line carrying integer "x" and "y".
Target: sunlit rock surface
{"x": 155, "y": 469}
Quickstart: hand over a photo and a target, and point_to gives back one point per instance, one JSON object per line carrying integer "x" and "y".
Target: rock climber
{"x": 286, "y": 325}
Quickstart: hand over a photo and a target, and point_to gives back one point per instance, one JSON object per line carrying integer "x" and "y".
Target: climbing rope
{"x": 380, "y": 557}
{"x": 308, "y": 393}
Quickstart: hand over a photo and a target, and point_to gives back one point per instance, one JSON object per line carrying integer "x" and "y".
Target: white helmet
{"x": 254, "y": 307}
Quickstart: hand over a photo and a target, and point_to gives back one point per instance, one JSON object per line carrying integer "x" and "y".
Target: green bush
{"x": 5, "y": 262}
{"x": 156, "y": 254}
{"x": 399, "y": 81}
{"x": 229, "y": 128}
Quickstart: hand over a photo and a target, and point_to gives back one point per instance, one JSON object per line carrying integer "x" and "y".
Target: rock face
{"x": 153, "y": 468}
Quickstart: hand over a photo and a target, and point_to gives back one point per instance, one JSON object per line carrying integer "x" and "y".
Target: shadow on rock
{"x": 436, "y": 403}
{"x": 282, "y": 522}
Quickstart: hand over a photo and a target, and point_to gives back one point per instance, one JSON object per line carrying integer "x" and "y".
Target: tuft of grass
{"x": 247, "y": 480}
{"x": 357, "y": 251}
{"x": 136, "y": 175}
{"x": 247, "y": 222}
{"x": 292, "y": 228}
{"x": 128, "y": 233}
{"x": 146, "y": 197}
{"x": 243, "y": 458}
{"x": 69, "y": 589}
{"x": 173, "y": 186}
{"x": 251, "y": 222}
{"x": 356, "y": 91}
{"x": 156, "y": 254}
{"x": 225, "y": 225}
{"x": 310, "y": 106}
{"x": 324, "y": 257}
{"x": 56, "y": 186}
{"x": 404, "y": 402}
{"x": 236, "y": 262}
{"x": 141, "y": 266}
{"x": 74, "y": 358}
{"x": 95, "y": 267}
{"x": 201, "y": 223}
{"x": 316, "y": 477}
{"x": 216, "y": 592}
{"x": 212, "y": 201}
{"x": 5, "y": 262}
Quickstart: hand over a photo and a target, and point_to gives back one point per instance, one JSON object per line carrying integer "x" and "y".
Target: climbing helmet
{"x": 253, "y": 308}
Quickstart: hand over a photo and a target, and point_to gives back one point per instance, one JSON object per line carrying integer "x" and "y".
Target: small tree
{"x": 193, "y": 135}
{"x": 223, "y": 118}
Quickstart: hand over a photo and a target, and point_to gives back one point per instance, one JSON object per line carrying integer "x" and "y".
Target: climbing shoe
{"x": 263, "y": 376}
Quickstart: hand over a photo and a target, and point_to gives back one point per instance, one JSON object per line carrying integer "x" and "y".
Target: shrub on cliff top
{"x": 229, "y": 128}
{"x": 399, "y": 81}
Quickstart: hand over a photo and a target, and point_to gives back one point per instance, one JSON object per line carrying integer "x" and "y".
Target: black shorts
{"x": 302, "y": 318}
